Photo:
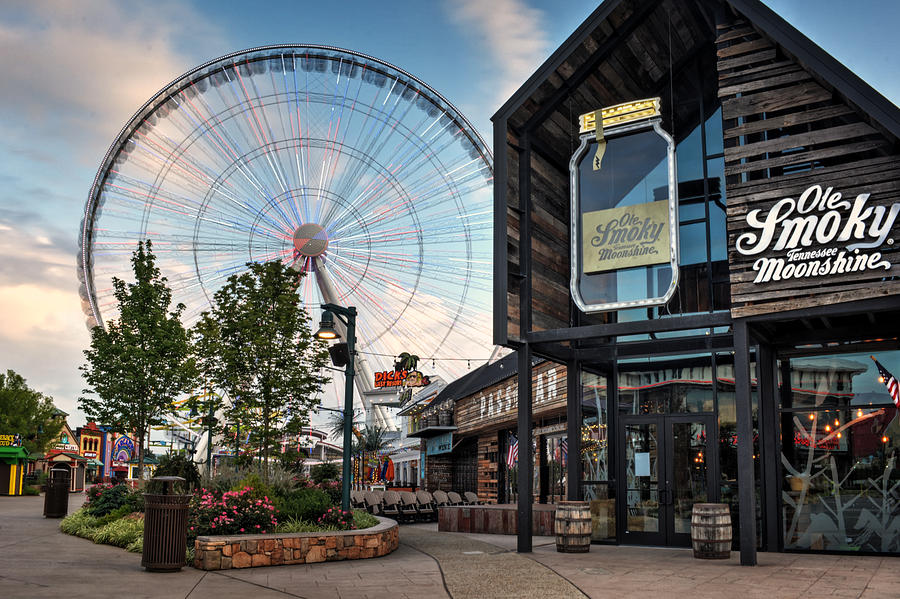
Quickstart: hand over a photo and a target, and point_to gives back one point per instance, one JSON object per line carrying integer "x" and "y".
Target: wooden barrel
{"x": 572, "y": 524}
{"x": 711, "y": 531}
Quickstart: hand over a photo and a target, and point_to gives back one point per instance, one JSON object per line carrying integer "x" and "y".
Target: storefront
{"x": 695, "y": 214}
{"x": 13, "y": 460}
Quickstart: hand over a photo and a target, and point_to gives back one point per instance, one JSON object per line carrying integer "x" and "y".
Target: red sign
{"x": 401, "y": 378}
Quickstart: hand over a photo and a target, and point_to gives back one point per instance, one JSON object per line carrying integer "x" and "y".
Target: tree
{"x": 28, "y": 413}
{"x": 256, "y": 345}
{"x": 336, "y": 424}
{"x": 139, "y": 364}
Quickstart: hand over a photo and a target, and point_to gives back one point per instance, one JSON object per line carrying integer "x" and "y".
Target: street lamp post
{"x": 328, "y": 332}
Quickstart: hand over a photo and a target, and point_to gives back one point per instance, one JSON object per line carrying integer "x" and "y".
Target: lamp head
{"x": 326, "y": 327}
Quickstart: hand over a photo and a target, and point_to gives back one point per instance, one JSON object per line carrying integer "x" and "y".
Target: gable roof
{"x": 818, "y": 62}
{"x": 482, "y": 377}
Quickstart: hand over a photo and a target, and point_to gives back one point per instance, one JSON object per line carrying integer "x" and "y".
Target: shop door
{"x": 666, "y": 461}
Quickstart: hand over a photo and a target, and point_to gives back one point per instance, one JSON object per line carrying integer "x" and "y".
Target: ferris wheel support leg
{"x": 364, "y": 379}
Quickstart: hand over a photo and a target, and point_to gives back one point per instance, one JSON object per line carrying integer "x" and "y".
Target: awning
{"x": 11, "y": 455}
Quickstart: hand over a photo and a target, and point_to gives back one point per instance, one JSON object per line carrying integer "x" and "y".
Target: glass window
{"x": 714, "y": 142}
{"x": 673, "y": 385}
{"x": 841, "y": 486}
{"x": 595, "y": 456}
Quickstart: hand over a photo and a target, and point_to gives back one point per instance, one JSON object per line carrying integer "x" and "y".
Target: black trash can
{"x": 165, "y": 528}
{"x": 56, "y": 498}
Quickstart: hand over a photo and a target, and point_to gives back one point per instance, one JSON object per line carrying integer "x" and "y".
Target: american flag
{"x": 512, "y": 456}
{"x": 890, "y": 381}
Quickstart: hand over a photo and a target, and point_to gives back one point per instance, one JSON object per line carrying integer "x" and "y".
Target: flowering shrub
{"x": 94, "y": 492}
{"x": 337, "y": 518}
{"x": 229, "y": 513}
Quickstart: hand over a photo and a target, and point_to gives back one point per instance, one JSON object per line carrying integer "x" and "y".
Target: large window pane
{"x": 595, "y": 456}
{"x": 841, "y": 484}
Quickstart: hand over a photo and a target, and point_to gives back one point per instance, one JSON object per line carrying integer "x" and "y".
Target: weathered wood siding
{"x": 784, "y": 132}
{"x": 496, "y": 406}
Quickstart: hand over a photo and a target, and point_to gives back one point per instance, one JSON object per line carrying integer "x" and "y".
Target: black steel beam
{"x": 526, "y": 459}
{"x": 573, "y": 429}
{"x": 744, "y": 409}
{"x": 501, "y": 309}
{"x": 675, "y": 323}
{"x": 770, "y": 448}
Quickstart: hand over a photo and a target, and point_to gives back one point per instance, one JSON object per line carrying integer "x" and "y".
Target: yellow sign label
{"x": 625, "y": 237}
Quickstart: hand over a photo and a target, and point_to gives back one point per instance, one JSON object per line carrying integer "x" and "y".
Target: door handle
{"x": 662, "y": 496}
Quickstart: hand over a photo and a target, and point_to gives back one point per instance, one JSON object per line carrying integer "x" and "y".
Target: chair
{"x": 409, "y": 509}
{"x": 373, "y": 505}
{"x": 426, "y": 505}
{"x": 455, "y": 499}
{"x": 391, "y": 504}
{"x": 358, "y": 499}
{"x": 379, "y": 495}
{"x": 440, "y": 498}
{"x": 472, "y": 498}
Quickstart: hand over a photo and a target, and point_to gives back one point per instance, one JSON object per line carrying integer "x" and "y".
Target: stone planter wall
{"x": 251, "y": 551}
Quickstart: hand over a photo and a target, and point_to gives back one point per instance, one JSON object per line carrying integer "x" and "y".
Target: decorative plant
{"x": 231, "y": 512}
{"x": 337, "y": 518}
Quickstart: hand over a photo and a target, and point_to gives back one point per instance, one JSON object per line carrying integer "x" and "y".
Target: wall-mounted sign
{"x": 90, "y": 454}
{"x": 401, "y": 378}
{"x": 818, "y": 235}
{"x": 66, "y": 447}
{"x": 123, "y": 449}
{"x": 440, "y": 444}
{"x": 625, "y": 237}
{"x": 14, "y": 440}
{"x": 624, "y": 216}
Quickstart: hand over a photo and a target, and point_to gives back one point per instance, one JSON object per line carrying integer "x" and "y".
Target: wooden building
{"x": 715, "y": 267}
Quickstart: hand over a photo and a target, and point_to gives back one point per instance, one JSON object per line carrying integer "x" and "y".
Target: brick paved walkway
{"x": 36, "y": 561}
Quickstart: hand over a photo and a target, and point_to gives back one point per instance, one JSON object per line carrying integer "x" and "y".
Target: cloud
{"x": 512, "y": 34}
{"x": 76, "y": 71}
{"x": 73, "y": 74}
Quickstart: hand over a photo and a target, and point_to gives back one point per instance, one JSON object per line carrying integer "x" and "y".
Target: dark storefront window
{"x": 840, "y": 442}
{"x": 728, "y": 441}
{"x": 595, "y": 466}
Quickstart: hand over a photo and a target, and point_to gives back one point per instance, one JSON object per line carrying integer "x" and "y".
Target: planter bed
{"x": 251, "y": 551}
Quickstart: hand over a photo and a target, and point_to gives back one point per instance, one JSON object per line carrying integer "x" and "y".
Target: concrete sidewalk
{"x": 36, "y": 560}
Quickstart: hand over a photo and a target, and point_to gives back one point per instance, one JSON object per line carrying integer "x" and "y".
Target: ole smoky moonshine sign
{"x": 819, "y": 235}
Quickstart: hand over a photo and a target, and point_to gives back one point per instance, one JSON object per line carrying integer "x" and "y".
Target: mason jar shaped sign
{"x": 624, "y": 221}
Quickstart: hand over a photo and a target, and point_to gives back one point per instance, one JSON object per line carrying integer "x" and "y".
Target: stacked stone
{"x": 251, "y": 551}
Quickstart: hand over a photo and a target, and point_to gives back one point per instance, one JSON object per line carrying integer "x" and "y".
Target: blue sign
{"x": 440, "y": 444}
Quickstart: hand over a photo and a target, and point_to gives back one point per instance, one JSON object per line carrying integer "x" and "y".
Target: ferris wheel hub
{"x": 311, "y": 240}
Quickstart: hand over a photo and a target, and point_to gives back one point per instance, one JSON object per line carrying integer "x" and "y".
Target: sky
{"x": 75, "y": 72}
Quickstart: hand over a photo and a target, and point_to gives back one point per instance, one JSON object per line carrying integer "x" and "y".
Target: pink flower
{"x": 242, "y": 530}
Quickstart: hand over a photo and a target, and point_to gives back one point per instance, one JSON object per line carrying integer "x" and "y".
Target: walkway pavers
{"x": 38, "y": 561}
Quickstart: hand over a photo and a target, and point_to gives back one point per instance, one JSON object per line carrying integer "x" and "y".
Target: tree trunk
{"x": 140, "y": 468}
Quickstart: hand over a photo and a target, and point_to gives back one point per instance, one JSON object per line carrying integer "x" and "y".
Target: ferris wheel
{"x": 350, "y": 169}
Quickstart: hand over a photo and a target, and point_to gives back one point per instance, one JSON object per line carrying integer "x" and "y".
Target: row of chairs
{"x": 406, "y": 506}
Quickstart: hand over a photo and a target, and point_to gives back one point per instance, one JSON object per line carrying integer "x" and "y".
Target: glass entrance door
{"x": 666, "y": 465}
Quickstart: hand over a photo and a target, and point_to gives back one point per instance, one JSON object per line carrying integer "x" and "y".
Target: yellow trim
{"x": 12, "y": 478}
{"x": 620, "y": 114}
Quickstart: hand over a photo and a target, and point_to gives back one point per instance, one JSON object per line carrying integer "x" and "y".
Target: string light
{"x": 884, "y": 439}
{"x": 859, "y": 413}
{"x": 827, "y": 428}
{"x": 839, "y": 435}
{"x": 812, "y": 416}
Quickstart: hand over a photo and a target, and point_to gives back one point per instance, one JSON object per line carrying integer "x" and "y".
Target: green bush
{"x": 176, "y": 464}
{"x": 28, "y": 490}
{"x": 304, "y": 504}
{"x": 137, "y": 546}
{"x": 110, "y": 499}
{"x": 258, "y": 489}
{"x": 80, "y": 524}
{"x": 321, "y": 473}
{"x": 361, "y": 519}
{"x": 121, "y": 533}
